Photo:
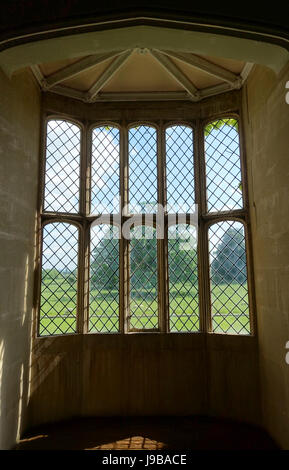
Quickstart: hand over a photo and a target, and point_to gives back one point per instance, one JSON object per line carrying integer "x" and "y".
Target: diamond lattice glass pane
{"x": 180, "y": 169}
{"x": 223, "y": 170}
{"x": 143, "y": 279}
{"x": 61, "y": 193}
{"x": 58, "y": 303}
{"x": 105, "y": 171}
{"x": 228, "y": 274}
{"x": 104, "y": 279}
{"x": 142, "y": 169}
{"x": 183, "y": 278}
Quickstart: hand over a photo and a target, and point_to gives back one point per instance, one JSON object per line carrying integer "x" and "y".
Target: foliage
{"x": 183, "y": 263}
{"x": 105, "y": 264}
{"x": 219, "y": 124}
{"x": 50, "y": 274}
{"x": 143, "y": 259}
{"x": 54, "y": 274}
{"x": 229, "y": 264}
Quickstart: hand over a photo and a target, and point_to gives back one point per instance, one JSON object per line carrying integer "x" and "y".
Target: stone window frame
{"x": 160, "y": 116}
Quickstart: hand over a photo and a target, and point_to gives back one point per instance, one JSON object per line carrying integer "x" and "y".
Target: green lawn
{"x": 58, "y": 310}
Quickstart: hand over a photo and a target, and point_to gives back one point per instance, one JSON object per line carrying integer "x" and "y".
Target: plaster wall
{"x": 19, "y": 155}
{"x": 267, "y": 141}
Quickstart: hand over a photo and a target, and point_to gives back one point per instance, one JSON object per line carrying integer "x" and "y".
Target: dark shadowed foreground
{"x": 150, "y": 433}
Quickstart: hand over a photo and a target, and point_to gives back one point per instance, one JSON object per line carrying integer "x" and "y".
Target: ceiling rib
{"x": 140, "y": 96}
{"x": 215, "y": 90}
{"x": 176, "y": 73}
{"x": 37, "y": 74}
{"x": 206, "y": 66}
{"x": 143, "y": 96}
{"x": 246, "y": 71}
{"x": 78, "y": 67}
{"x": 107, "y": 75}
{"x": 69, "y": 92}
{"x": 95, "y": 94}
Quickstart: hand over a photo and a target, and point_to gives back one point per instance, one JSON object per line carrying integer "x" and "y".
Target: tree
{"x": 229, "y": 264}
{"x": 183, "y": 263}
{"x": 50, "y": 274}
{"x": 104, "y": 266}
{"x": 143, "y": 260}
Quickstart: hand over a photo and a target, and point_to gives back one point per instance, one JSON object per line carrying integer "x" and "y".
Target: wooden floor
{"x": 151, "y": 433}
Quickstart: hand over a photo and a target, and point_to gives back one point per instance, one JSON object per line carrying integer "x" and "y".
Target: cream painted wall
{"x": 19, "y": 149}
{"x": 267, "y": 138}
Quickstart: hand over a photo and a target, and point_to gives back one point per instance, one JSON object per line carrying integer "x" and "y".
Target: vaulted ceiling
{"x": 141, "y": 74}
